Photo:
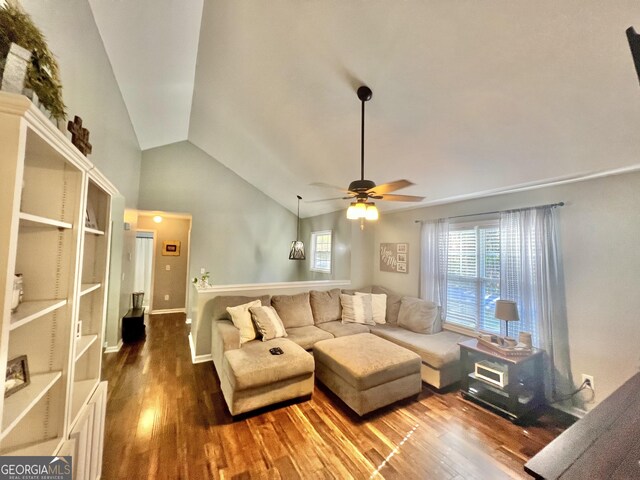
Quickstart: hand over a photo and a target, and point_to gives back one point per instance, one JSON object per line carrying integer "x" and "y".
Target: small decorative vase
{"x": 15, "y": 298}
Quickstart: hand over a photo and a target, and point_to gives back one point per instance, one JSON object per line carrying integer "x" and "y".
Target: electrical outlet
{"x": 589, "y": 379}
{"x": 167, "y": 268}
{"x": 166, "y": 297}
{"x": 202, "y": 271}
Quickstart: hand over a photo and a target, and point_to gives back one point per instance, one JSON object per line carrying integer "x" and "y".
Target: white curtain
{"x": 144, "y": 259}
{"x": 433, "y": 263}
{"x": 531, "y": 274}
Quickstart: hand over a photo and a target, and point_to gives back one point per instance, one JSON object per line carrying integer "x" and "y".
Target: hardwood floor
{"x": 166, "y": 419}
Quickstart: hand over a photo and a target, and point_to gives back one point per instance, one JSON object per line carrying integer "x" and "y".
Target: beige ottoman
{"x": 367, "y": 372}
{"x": 253, "y": 378}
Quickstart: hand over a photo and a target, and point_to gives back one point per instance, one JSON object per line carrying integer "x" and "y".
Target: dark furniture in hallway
{"x": 133, "y": 328}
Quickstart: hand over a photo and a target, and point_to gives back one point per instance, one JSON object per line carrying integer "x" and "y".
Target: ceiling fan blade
{"x": 326, "y": 185}
{"x": 390, "y": 187}
{"x": 401, "y": 198}
{"x": 327, "y": 199}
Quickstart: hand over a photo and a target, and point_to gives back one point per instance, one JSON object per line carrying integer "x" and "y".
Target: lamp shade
{"x": 297, "y": 250}
{"x": 507, "y": 310}
{"x": 372, "y": 212}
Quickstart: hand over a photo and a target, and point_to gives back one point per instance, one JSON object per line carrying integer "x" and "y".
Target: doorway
{"x": 144, "y": 268}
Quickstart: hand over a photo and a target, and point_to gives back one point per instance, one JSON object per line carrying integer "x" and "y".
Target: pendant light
{"x": 297, "y": 246}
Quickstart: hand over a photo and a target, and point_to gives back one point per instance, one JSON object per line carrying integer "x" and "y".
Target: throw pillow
{"x": 325, "y": 305}
{"x": 294, "y": 310}
{"x": 357, "y": 309}
{"x": 378, "y": 306}
{"x": 393, "y": 303}
{"x": 267, "y": 322}
{"x": 241, "y": 318}
{"x": 418, "y": 315}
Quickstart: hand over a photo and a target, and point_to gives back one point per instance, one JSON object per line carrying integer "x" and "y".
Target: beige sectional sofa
{"x": 245, "y": 370}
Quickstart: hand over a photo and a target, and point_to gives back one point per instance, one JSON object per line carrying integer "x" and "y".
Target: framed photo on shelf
{"x": 90, "y": 217}
{"x": 171, "y": 248}
{"x": 17, "y": 375}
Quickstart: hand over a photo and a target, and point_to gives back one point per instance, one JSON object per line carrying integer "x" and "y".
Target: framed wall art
{"x": 171, "y": 248}
{"x": 394, "y": 257}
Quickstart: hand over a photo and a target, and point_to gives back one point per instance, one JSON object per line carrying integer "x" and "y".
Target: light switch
{"x": 166, "y": 297}
{"x": 167, "y": 268}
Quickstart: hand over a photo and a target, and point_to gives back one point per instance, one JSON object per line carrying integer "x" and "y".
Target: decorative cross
{"x": 79, "y": 135}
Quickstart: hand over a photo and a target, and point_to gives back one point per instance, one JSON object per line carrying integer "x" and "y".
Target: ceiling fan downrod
{"x": 362, "y": 185}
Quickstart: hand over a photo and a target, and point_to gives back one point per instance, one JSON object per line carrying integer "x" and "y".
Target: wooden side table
{"x": 133, "y": 328}
{"x": 520, "y": 394}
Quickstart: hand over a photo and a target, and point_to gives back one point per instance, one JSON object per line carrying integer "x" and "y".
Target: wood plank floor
{"x": 166, "y": 419}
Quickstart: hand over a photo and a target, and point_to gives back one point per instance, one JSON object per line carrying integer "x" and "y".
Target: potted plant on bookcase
{"x": 42, "y": 75}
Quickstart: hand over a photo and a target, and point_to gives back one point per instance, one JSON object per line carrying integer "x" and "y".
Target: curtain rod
{"x": 559, "y": 204}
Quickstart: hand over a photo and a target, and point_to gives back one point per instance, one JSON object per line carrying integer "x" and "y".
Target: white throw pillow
{"x": 241, "y": 318}
{"x": 378, "y": 306}
{"x": 357, "y": 309}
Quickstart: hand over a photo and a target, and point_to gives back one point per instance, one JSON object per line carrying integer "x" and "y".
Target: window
{"x": 321, "y": 251}
{"x": 473, "y": 283}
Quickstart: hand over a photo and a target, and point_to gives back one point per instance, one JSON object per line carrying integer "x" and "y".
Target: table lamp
{"x": 507, "y": 310}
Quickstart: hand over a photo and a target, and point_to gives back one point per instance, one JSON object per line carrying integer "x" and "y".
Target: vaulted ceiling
{"x": 468, "y": 96}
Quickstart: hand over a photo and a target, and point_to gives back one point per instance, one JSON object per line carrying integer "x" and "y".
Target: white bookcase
{"x": 46, "y": 188}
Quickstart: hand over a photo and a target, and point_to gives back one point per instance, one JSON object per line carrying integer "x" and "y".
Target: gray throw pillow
{"x": 418, "y": 315}
{"x": 393, "y": 303}
{"x": 325, "y": 305}
{"x": 294, "y": 310}
{"x": 267, "y": 322}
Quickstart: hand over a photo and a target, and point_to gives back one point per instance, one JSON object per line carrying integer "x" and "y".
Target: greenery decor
{"x": 42, "y": 75}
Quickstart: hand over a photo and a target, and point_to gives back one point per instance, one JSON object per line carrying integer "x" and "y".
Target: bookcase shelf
{"x": 88, "y": 288}
{"x": 49, "y": 447}
{"x": 19, "y": 404}
{"x": 83, "y": 344}
{"x": 29, "y": 311}
{"x": 28, "y": 220}
{"x": 48, "y": 190}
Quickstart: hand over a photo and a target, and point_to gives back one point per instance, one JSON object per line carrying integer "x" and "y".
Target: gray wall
{"x": 91, "y": 92}
{"x": 352, "y": 248}
{"x": 600, "y": 235}
{"x": 90, "y": 89}
{"x": 340, "y": 249}
{"x": 238, "y": 233}
{"x": 171, "y": 282}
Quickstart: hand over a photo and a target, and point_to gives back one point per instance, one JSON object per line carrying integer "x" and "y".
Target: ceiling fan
{"x": 364, "y": 190}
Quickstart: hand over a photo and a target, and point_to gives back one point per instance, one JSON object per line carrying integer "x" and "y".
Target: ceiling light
{"x": 157, "y": 219}
{"x": 297, "y": 247}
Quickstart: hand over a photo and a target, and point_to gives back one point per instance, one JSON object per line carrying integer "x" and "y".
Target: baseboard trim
{"x": 198, "y": 358}
{"x": 115, "y": 349}
{"x": 168, "y": 310}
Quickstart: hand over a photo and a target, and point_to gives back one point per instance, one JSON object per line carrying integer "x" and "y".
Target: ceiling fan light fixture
{"x": 357, "y": 210}
{"x": 371, "y": 212}
{"x": 352, "y": 213}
